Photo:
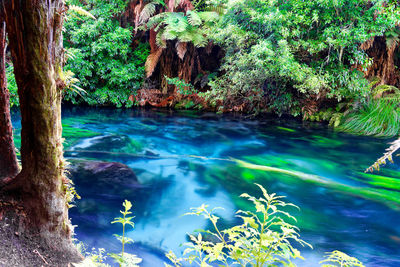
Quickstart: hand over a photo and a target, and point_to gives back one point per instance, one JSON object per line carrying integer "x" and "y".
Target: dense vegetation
{"x": 305, "y": 58}
{"x": 100, "y": 55}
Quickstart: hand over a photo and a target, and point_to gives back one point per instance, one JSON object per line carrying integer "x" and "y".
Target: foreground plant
{"x": 265, "y": 237}
{"x": 338, "y": 258}
{"x": 123, "y": 258}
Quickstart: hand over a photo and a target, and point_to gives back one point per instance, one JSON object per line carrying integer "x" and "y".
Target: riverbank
{"x": 21, "y": 247}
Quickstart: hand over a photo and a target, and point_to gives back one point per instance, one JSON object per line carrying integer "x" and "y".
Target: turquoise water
{"x": 346, "y": 210}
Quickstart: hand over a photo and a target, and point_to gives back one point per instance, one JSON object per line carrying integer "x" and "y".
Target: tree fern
{"x": 208, "y": 16}
{"x": 147, "y": 12}
{"x": 193, "y": 18}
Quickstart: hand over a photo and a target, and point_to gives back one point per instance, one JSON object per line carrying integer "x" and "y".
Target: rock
{"x": 104, "y": 143}
{"x": 102, "y": 177}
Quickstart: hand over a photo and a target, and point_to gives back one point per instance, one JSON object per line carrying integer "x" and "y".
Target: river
{"x": 181, "y": 160}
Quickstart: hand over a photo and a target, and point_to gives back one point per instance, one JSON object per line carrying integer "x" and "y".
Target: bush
{"x": 283, "y": 52}
{"x": 101, "y": 55}
{"x": 12, "y": 85}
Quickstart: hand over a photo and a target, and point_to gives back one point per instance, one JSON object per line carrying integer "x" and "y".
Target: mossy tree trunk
{"x": 8, "y": 159}
{"x": 35, "y": 38}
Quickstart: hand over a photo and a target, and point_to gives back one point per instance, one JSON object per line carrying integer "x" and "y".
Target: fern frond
{"x": 208, "y": 16}
{"x": 177, "y": 3}
{"x": 160, "y": 41}
{"x": 193, "y": 18}
{"x": 147, "y": 12}
{"x": 181, "y": 49}
{"x": 152, "y": 61}
{"x": 156, "y": 20}
{"x": 176, "y": 21}
{"x": 388, "y": 156}
{"x": 381, "y": 89}
{"x": 79, "y": 10}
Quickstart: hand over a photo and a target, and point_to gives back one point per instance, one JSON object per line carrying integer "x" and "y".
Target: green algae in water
{"x": 387, "y": 197}
{"x": 286, "y": 129}
{"x": 72, "y": 135}
{"x": 381, "y": 181}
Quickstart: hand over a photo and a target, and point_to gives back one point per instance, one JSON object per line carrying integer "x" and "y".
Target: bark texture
{"x": 384, "y": 60}
{"x": 35, "y": 38}
{"x": 8, "y": 159}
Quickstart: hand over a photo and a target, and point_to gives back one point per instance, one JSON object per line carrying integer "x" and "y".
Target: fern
{"x": 193, "y": 18}
{"x": 79, "y": 10}
{"x": 208, "y": 16}
{"x": 388, "y": 156}
{"x": 147, "y": 12}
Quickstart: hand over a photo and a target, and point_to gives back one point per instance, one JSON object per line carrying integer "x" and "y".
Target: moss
{"x": 72, "y": 135}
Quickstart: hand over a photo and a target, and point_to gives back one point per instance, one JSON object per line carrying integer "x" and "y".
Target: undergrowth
{"x": 266, "y": 237}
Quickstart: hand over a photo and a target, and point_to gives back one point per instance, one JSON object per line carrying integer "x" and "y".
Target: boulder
{"x": 102, "y": 177}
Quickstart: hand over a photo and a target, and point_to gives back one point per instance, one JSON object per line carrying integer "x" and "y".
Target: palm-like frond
{"x": 388, "y": 156}
{"x": 391, "y": 91}
{"x": 147, "y": 12}
{"x": 193, "y": 18}
{"x": 208, "y": 16}
{"x": 152, "y": 61}
{"x": 79, "y": 10}
{"x": 156, "y": 20}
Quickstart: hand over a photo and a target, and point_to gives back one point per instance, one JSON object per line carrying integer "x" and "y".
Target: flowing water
{"x": 179, "y": 161}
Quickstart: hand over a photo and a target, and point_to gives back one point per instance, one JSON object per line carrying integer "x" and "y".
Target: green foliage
{"x": 338, "y": 258}
{"x": 183, "y": 27}
{"x": 265, "y": 237}
{"x": 183, "y": 87}
{"x": 378, "y": 114}
{"x": 101, "y": 55}
{"x": 12, "y": 85}
{"x": 377, "y": 117}
{"x": 123, "y": 258}
{"x": 296, "y": 49}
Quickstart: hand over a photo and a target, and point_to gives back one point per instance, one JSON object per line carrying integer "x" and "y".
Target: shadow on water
{"x": 346, "y": 209}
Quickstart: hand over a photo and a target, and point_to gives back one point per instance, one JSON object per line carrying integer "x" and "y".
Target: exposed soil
{"x": 21, "y": 247}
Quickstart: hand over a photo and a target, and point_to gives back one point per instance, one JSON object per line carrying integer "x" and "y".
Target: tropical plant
{"x": 281, "y": 53}
{"x": 183, "y": 87}
{"x": 378, "y": 114}
{"x": 101, "y": 55}
{"x": 12, "y": 85}
{"x": 185, "y": 27}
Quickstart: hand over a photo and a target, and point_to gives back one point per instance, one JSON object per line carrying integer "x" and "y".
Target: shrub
{"x": 282, "y": 52}
{"x": 101, "y": 55}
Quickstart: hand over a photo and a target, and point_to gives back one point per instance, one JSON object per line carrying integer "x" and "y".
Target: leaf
{"x": 79, "y": 10}
{"x": 181, "y": 49}
{"x": 193, "y": 18}
{"x": 152, "y": 61}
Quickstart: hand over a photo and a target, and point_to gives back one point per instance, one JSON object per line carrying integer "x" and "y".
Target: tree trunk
{"x": 168, "y": 68}
{"x": 383, "y": 56}
{"x": 8, "y": 159}
{"x": 35, "y": 38}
